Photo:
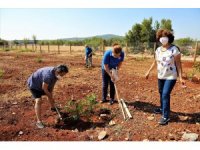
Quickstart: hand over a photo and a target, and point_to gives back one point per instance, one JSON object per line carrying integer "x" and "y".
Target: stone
{"x": 126, "y": 139}
{"x": 102, "y": 135}
{"x": 112, "y": 123}
{"x": 190, "y": 136}
{"x": 103, "y": 115}
{"x": 14, "y": 103}
{"x": 21, "y": 132}
{"x": 183, "y": 118}
{"x": 150, "y": 118}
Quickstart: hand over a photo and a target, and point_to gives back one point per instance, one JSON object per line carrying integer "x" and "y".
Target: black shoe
{"x": 158, "y": 111}
{"x": 163, "y": 121}
{"x": 112, "y": 101}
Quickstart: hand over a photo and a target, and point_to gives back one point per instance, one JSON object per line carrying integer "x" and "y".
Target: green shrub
{"x": 39, "y": 59}
{"x": 185, "y": 52}
{"x": 84, "y": 107}
{"x": 196, "y": 66}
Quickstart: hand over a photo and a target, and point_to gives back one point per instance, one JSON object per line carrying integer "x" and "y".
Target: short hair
{"x": 62, "y": 68}
{"x": 117, "y": 48}
{"x": 165, "y": 33}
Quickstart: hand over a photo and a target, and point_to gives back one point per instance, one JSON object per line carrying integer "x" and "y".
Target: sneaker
{"x": 163, "y": 121}
{"x": 158, "y": 111}
{"x": 40, "y": 125}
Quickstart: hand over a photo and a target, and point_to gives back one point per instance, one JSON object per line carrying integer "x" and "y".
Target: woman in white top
{"x": 168, "y": 60}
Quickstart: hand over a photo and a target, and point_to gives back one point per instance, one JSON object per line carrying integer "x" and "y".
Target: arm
{"x": 48, "y": 93}
{"x": 119, "y": 65}
{"x": 106, "y": 68}
{"x": 150, "y": 69}
{"x": 179, "y": 67}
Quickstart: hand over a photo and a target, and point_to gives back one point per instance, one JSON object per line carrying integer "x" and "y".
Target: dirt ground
{"x": 17, "y": 117}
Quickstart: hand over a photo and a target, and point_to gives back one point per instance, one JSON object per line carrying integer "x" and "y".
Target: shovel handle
{"x": 58, "y": 113}
{"x": 120, "y": 104}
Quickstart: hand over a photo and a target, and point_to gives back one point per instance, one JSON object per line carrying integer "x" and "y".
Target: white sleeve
{"x": 156, "y": 53}
{"x": 176, "y": 51}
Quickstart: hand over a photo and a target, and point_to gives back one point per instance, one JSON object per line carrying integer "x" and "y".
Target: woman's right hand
{"x": 112, "y": 78}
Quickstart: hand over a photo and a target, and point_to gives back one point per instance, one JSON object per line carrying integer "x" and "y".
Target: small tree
{"x": 35, "y": 41}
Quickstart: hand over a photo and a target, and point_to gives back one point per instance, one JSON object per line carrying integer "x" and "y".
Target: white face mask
{"x": 114, "y": 55}
{"x": 164, "y": 40}
{"x": 58, "y": 77}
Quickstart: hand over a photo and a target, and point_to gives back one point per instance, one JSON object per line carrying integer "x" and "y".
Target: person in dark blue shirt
{"x": 88, "y": 56}
{"x": 112, "y": 59}
{"x": 42, "y": 83}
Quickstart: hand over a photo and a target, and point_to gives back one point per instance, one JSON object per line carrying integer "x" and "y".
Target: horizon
{"x": 52, "y": 24}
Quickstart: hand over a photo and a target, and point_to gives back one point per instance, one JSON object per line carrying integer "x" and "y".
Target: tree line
{"x": 141, "y": 34}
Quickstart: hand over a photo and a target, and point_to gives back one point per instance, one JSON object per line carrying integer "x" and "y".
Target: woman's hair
{"x": 117, "y": 48}
{"x": 62, "y": 68}
{"x": 165, "y": 33}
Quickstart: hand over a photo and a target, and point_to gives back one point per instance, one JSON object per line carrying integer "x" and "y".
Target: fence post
{"x": 154, "y": 47}
{"x": 48, "y": 48}
{"x": 40, "y": 49}
{"x": 58, "y": 49}
{"x": 126, "y": 48}
{"x": 32, "y": 47}
{"x": 103, "y": 47}
{"x": 3, "y": 46}
{"x": 195, "y": 53}
{"x": 70, "y": 48}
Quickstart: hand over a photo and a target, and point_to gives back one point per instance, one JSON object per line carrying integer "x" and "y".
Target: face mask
{"x": 58, "y": 77}
{"x": 164, "y": 40}
{"x": 114, "y": 56}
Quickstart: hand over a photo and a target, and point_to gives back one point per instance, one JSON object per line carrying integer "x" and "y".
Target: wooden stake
{"x": 195, "y": 53}
{"x": 48, "y": 48}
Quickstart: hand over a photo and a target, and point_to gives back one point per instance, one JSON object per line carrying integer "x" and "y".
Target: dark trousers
{"x": 107, "y": 80}
{"x": 88, "y": 61}
{"x": 165, "y": 88}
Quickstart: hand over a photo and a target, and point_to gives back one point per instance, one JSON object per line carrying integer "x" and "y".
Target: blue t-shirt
{"x": 110, "y": 60}
{"x": 88, "y": 50}
{"x": 46, "y": 75}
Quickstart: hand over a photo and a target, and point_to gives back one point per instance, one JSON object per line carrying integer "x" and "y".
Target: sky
{"x": 52, "y": 23}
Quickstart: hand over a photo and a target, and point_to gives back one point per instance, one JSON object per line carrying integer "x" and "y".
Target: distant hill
{"x": 104, "y": 36}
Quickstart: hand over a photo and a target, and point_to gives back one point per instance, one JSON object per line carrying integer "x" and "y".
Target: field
{"x": 17, "y": 117}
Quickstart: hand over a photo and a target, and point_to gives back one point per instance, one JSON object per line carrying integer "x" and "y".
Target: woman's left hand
{"x": 182, "y": 81}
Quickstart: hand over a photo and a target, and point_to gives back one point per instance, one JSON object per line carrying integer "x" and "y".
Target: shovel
{"x": 58, "y": 112}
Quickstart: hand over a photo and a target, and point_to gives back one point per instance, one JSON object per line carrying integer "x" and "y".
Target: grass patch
{"x": 25, "y": 50}
{"x": 39, "y": 60}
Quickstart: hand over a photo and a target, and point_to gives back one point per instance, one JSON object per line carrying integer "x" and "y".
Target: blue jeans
{"x": 107, "y": 80}
{"x": 165, "y": 88}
